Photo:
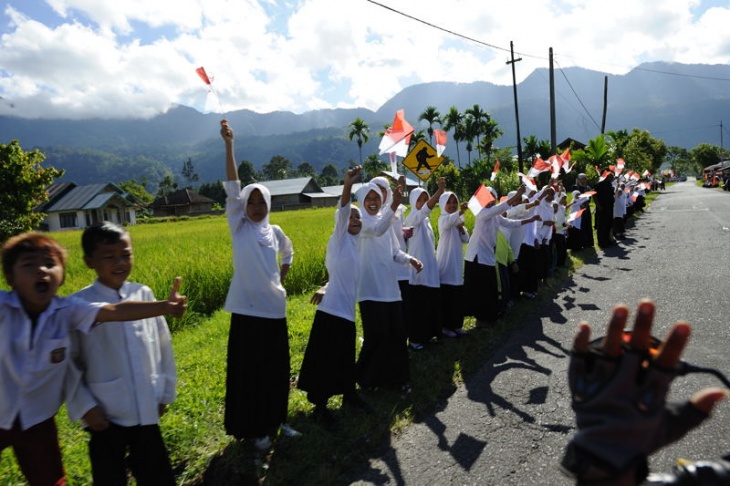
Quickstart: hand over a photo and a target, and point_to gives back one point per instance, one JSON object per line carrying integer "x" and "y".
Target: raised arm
{"x": 351, "y": 177}
{"x": 227, "y": 134}
{"x": 133, "y": 310}
{"x": 434, "y": 200}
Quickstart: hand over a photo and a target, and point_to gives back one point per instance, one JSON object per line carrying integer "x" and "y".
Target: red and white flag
{"x": 539, "y": 166}
{"x": 556, "y": 163}
{"x": 620, "y": 164}
{"x": 441, "y": 138}
{"x": 646, "y": 173}
{"x": 605, "y": 174}
{"x": 495, "y": 171}
{"x": 527, "y": 181}
{"x": 393, "y": 162}
{"x": 397, "y": 137}
{"x": 480, "y": 199}
{"x": 584, "y": 197}
{"x": 573, "y": 216}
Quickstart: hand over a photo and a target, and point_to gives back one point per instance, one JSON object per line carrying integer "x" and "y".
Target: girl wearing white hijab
{"x": 450, "y": 259}
{"x": 383, "y": 359}
{"x": 257, "y": 375}
{"x": 423, "y": 303}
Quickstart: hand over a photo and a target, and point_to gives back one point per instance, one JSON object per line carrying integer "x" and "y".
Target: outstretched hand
{"x": 226, "y": 131}
{"x": 177, "y": 302}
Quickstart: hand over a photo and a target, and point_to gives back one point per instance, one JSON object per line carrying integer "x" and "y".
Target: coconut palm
{"x": 471, "y": 131}
{"x": 431, "y": 115}
{"x": 490, "y": 132}
{"x": 359, "y": 129}
{"x": 453, "y": 120}
{"x": 479, "y": 116}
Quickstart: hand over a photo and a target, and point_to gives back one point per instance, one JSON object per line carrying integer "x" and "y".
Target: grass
{"x": 199, "y": 250}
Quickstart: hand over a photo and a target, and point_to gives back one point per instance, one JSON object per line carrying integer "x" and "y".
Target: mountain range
{"x": 681, "y": 104}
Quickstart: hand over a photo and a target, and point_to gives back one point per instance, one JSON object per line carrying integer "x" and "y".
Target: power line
{"x": 578, "y": 97}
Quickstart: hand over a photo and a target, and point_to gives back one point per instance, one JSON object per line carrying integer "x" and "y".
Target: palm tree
{"x": 415, "y": 138}
{"x": 373, "y": 166}
{"x": 359, "y": 129}
{"x": 431, "y": 115}
{"x": 453, "y": 120}
{"x": 471, "y": 131}
{"x": 479, "y": 116}
{"x": 490, "y": 132}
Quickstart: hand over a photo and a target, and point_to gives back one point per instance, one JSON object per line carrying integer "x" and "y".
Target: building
{"x": 71, "y": 206}
{"x": 299, "y": 193}
{"x": 183, "y": 202}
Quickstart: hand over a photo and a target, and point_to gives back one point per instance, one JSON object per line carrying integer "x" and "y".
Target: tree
{"x": 305, "y": 169}
{"x": 246, "y": 173}
{"x": 706, "y": 155}
{"x": 138, "y": 190}
{"x": 533, "y": 147}
{"x": 431, "y": 115}
{"x": 359, "y": 129}
{"x": 188, "y": 172}
{"x": 22, "y": 188}
{"x": 470, "y": 133}
{"x": 167, "y": 186}
{"x": 373, "y": 166}
{"x": 453, "y": 120}
{"x": 478, "y": 116}
{"x": 490, "y": 132}
{"x": 329, "y": 176}
{"x": 644, "y": 151}
{"x": 215, "y": 191}
{"x": 277, "y": 169}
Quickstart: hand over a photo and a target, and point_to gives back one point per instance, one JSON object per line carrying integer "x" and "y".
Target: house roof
{"x": 181, "y": 197}
{"x": 292, "y": 186}
{"x": 394, "y": 176}
{"x": 91, "y": 196}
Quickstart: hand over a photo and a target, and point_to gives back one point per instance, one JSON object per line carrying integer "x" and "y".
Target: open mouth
{"x": 42, "y": 287}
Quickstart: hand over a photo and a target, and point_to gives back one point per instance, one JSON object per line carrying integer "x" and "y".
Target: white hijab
{"x": 264, "y": 232}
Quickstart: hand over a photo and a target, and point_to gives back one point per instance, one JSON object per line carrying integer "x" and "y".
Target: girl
{"x": 450, "y": 259}
{"x": 424, "y": 306}
{"x": 328, "y": 367}
{"x": 383, "y": 358}
{"x": 257, "y": 379}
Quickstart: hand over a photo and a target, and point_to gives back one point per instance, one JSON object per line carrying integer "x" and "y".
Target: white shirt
{"x": 560, "y": 220}
{"x": 127, "y": 367}
{"x": 36, "y": 372}
{"x": 423, "y": 246}
{"x": 450, "y": 248}
{"x": 484, "y": 236}
{"x": 403, "y": 271}
{"x": 517, "y": 234}
{"x": 343, "y": 267}
{"x": 256, "y": 288}
{"x": 547, "y": 214}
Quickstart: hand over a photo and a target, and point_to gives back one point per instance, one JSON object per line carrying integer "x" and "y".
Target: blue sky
{"x": 137, "y": 58}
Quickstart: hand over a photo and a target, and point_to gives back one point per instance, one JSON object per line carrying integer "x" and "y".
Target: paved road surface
{"x": 509, "y": 423}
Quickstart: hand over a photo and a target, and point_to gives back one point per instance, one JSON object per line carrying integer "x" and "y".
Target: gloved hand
{"x": 619, "y": 394}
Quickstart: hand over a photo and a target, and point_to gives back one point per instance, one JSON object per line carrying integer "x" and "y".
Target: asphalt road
{"x": 508, "y": 424}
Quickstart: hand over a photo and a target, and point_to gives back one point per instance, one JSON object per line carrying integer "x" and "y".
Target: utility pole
{"x": 605, "y": 104}
{"x": 553, "y": 141}
{"x": 517, "y": 111}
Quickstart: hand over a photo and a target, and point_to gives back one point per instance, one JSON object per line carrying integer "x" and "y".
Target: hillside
{"x": 681, "y": 104}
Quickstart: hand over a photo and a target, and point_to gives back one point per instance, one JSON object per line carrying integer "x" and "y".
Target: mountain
{"x": 681, "y": 104}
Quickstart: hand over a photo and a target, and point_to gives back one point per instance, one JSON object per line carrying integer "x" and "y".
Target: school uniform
{"x": 545, "y": 234}
{"x": 36, "y": 375}
{"x": 450, "y": 260}
{"x": 424, "y": 303}
{"x": 561, "y": 246}
{"x": 529, "y": 259}
{"x": 257, "y": 377}
{"x": 328, "y": 367}
{"x": 129, "y": 370}
{"x": 619, "y": 213}
{"x": 383, "y": 358}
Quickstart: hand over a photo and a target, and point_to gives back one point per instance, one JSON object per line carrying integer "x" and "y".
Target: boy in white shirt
{"x": 36, "y": 372}
{"x": 129, "y": 370}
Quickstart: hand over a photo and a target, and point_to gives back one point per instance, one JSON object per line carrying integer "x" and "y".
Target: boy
{"x": 35, "y": 368}
{"x": 128, "y": 371}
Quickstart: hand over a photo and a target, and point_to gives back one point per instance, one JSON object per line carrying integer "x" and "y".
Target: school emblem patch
{"x": 58, "y": 355}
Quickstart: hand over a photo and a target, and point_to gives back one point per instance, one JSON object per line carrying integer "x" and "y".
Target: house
{"x": 392, "y": 177}
{"x": 183, "y": 202}
{"x": 71, "y": 206}
{"x": 302, "y": 192}
{"x": 571, "y": 144}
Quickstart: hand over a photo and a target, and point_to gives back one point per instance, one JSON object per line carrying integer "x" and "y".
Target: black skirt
{"x": 383, "y": 359}
{"x": 328, "y": 367}
{"x": 257, "y": 378}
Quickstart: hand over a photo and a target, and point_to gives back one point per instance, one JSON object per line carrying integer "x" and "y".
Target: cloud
{"x": 136, "y": 58}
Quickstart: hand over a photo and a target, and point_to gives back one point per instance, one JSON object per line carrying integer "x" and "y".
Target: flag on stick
{"x": 441, "y": 139}
{"x": 397, "y": 137}
{"x": 573, "y": 216}
{"x": 480, "y": 199}
{"x": 495, "y": 171}
{"x": 539, "y": 166}
{"x": 528, "y": 182}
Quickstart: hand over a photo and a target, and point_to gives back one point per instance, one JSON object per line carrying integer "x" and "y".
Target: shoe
{"x": 416, "y": 346}
{"x": 460, "y": 332}
{"x": 287, "y": 431}
{"x": 448, "y": 333}
{"x": 262, "y": 443}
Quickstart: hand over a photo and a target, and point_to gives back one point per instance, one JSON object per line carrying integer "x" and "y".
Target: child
{"x": 383, "y": 359}
{"x": 128, "y": 371}
{"x": 35, "y": 327}
{"x": 450, "y": 259}
{"x": 257, "y": 374}
{"x": 561, "y": 248}
{"x": 424, "y": 298}
{"x": 328, "y": 367}
{"x": 506, "y": 265}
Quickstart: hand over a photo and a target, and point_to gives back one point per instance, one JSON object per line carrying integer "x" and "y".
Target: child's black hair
{"x": 30, "y": 243}
{"x": 102, "y": 233}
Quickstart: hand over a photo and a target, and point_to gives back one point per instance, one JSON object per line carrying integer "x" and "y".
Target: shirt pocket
{"x": 50, "y": 354}
{"x": 114, "y": 397}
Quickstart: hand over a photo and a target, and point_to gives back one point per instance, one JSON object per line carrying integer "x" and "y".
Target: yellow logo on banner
{"x": 422, "y": 160}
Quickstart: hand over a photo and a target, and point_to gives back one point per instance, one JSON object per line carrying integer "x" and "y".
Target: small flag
{"x": 556, "y": 164}
{"x": 539, "y": 166}
{"x": 495, "y": 171}
{"x": 528, "y": 182}
{"x": 480, "y": 199}
{"x": 598, "y": 171}
{"x": 573, "y": 216}
{"x": 203, "y": 75}
{"x": 441, "y": 139}
{"x": 605, "y": 174}
{"x": 397, "y": 136}
{"x": 646, "y": 173}
{"x": 393, "y": 162}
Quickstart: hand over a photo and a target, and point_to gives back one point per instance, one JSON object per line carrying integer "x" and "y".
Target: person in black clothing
{"x": 586, "y": 219}
{"x": 604, "y": 209}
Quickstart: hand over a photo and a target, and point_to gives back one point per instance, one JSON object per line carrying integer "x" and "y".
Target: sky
{"x": 78, "y": 59}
